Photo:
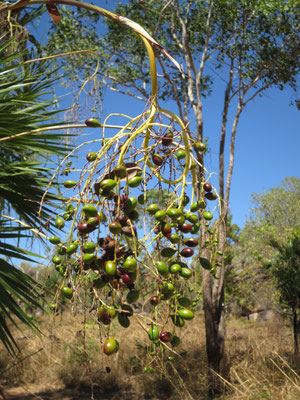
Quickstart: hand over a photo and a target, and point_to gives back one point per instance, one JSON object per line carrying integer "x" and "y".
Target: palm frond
{"x": 17, "y": 290}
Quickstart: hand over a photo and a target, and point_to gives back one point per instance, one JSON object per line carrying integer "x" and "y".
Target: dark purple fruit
{"x": 157, "y": 159}
{"x": 166, "y": 230}
{"x": 186, "y": 227}
{"x": 104, "y": 316}
{"x": 165, "y": 337}
{"x": 191, "y": 242}
{"x": 207, "y": 187}
{"x": 85, "y": 228}
{"x": 129, "y": 231}
{"x": 187, "y": 252}
{"x": 154, "y": 300}
{"x": 167, "y": 139}
{"x": 122, "y": 219}
{"x": 211, "y": 196}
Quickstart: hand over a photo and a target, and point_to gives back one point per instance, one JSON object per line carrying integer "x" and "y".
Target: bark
{"x": 296, "y": 332}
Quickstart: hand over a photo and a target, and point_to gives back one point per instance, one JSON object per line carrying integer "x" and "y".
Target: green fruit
{"x": 130, "y": 264}
{"x": 184, "y": 302}
{"x": 220, "y": 252}
{"x": 186, "y": 200}
{"x": 153, "y": 332}
{"x": 207, "y": 215}
{"x": 175, "y": 269}
{"x": 168, "y": 252}
{"x": 123, "y": 320}
{"x": 205, "y": 263}
{"x": 93, "y": 221}
{"x": 67, "y": 216}
{"x": 54, "y": 239}
{"x": 67, "y": 292}
{"x": 108, "y": 184}
{"x": 120, "y": 171}
{"x": 167, "y": 288}
{"x": 110, "y": 268}
{"x": 62, "y": 251}
{"x": 180, "y": 220}
{"x": 115, "y": 227}
{"x": 195, "y": 228}
{"x": 69, "y": 184}
{"x": 160, "y": 215}
{"x": 104, "y": 142}
{"x": 99, "y": 283}
{"x": 92, "y": 123}
{"x": 56, "y": 260}
{"x": 71, "y": 249}
{"x": 186, "y": 314}
{"x": 181, "y": 154}
{"x": 130, "y": 205}
{"x": 89, "y": 258}
{"x": 186, "y": 273}
{"x": 196, "y": 206}
{"x": 175, "y": 341}
{"x": 174, "y": 213}
{"x": 110, "y": 346}
{"x": 162, "y": 268}
{"x": 132, "y": 296}
{"x": 91, "y": 156}
{"x": 200, "y": 146}
{"x": 90, "y": 210}
{"x": 133, "y": 215}
{"x": 127, "y": 310}
{"x": 152, "y": 209}
{"x": 166, "y": 296}
{"x": 177, "y": 321}
{"x": 192, "y": 217}
{"x": 142, "y": 198}
{"x": 135, "y": 182}
{"x": 59, "y": 223}
{"x": 89, "y": 247}
{"x": 174, "y": 238}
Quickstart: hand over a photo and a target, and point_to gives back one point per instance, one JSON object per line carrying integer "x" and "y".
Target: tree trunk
{"x": 296, "y": 332}
{"x": 215, "y": 334}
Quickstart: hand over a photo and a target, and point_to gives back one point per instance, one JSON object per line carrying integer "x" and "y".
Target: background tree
{"x": 284, "y": 267}
{"x": 271, "y": 227}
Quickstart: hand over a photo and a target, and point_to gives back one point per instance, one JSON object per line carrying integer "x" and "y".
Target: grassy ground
{"x": 68, "y": 363}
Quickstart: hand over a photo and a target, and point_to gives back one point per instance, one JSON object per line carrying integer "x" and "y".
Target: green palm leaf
{"x": 27, "y": 105}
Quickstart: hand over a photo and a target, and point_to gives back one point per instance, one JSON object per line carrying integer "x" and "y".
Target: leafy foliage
{"x": 285, "y": 268}
{"x": 26, "y": 113}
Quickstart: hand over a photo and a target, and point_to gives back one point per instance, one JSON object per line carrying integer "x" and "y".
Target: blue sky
{"x": 267, "y": 144}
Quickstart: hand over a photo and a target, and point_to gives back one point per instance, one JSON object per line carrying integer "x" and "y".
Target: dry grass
{"x": 68, "y": 360}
